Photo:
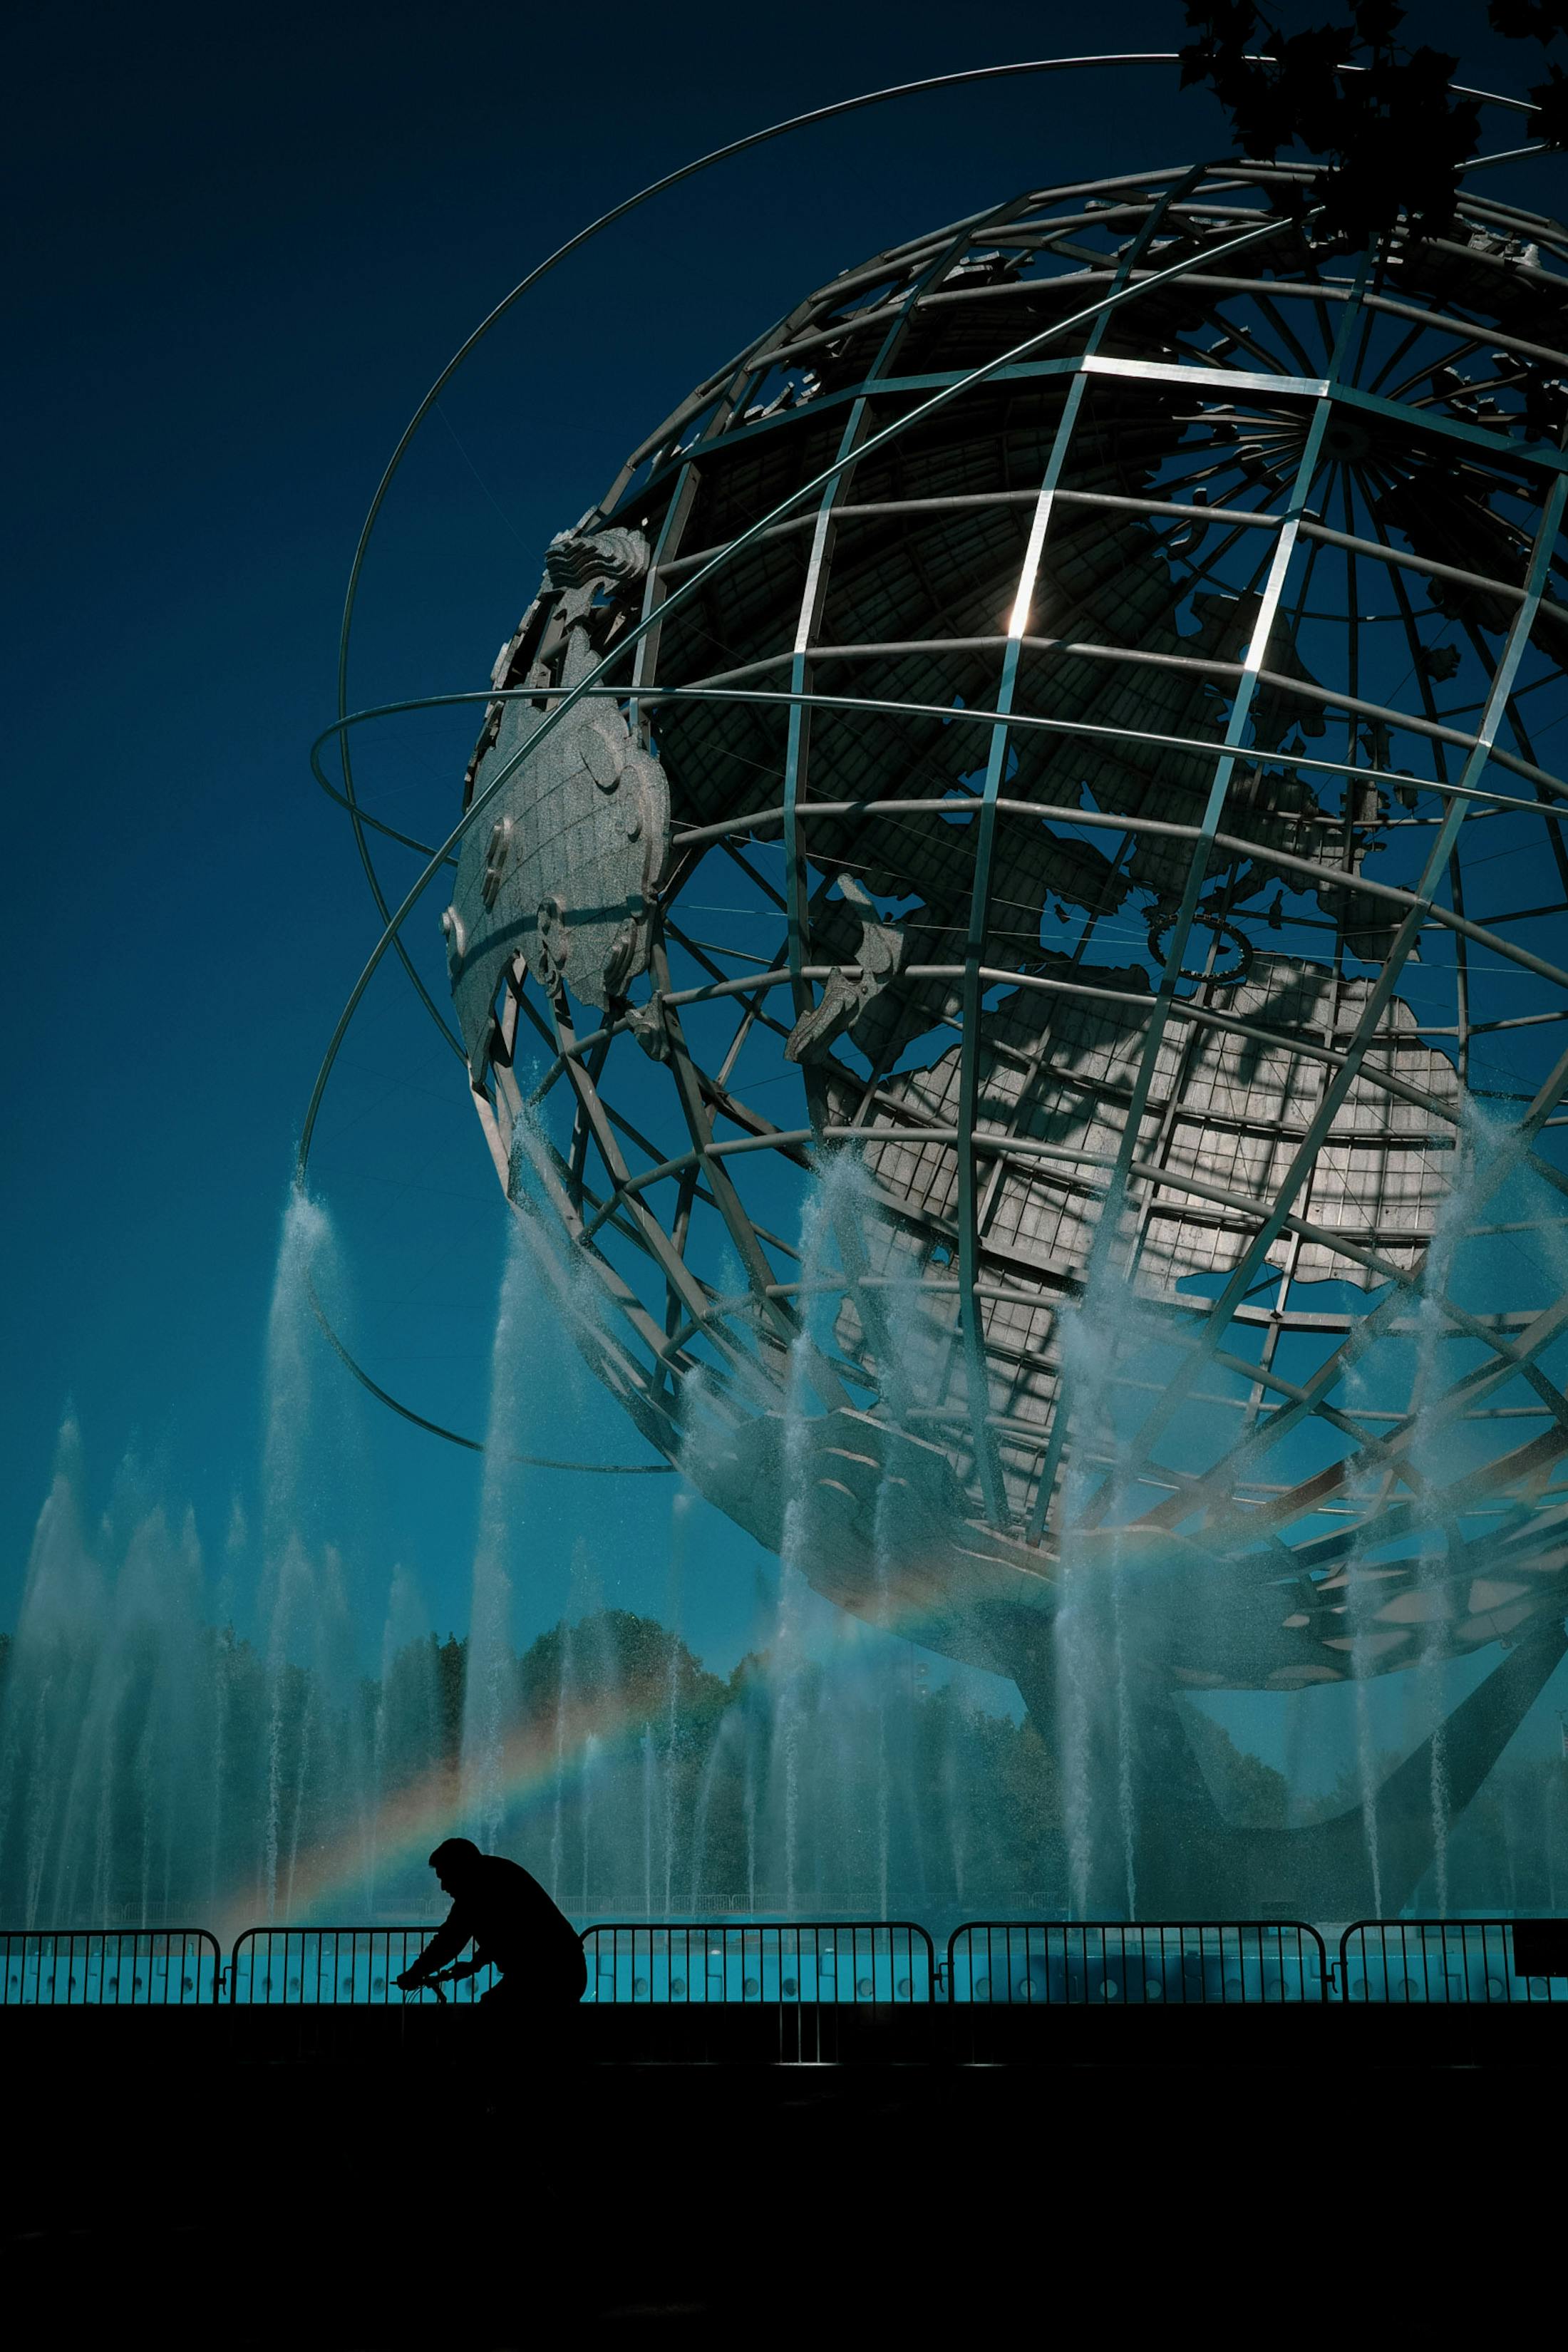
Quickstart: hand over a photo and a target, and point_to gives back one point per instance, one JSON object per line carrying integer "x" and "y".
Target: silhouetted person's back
{"x": 514, "y": 1927}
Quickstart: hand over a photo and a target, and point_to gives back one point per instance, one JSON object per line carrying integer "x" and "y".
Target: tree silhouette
{"x": 1384, "y": 114}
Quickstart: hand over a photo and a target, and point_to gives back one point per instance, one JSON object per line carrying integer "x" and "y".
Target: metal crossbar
{"x": 1089, "y": 1963}
{"x": 999, "y": 1963}
{"x": 788, "y": 1963}
{"x": 113, "y": 1968}
{"x": 1445, "y": 1960}
{"x": 356, "y": 1967}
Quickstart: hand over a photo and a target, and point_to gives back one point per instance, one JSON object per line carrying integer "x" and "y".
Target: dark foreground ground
{"x": 363, "y": 2178}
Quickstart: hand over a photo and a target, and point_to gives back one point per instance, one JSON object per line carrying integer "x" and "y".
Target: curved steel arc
{"x": 864, "y": 99}
{"x": 455, "y": 1437}
{"x": 978, "y": 714}
{"x": 377, "y": 823}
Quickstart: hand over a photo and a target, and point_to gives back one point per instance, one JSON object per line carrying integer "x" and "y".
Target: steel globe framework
{"x": 1007, "y": 948}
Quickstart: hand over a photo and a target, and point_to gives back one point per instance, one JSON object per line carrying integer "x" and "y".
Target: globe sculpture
{"x": 1006, "y": 950}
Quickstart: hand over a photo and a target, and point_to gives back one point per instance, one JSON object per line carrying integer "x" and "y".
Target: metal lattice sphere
{"x": 1013, "y": 930}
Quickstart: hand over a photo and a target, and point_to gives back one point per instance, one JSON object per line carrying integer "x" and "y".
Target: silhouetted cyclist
{"x": 514, "y": 1928}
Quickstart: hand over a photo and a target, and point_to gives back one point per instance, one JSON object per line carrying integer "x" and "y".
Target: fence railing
{"x": 795, "y": 1962}
{"x": 1448, "y": 1960}
{"x": 118, "y": 1968}
{"x": 358, "y": 1967}
{"x": 1085, "y": 1964}
{"x": 1049, "y": 1964}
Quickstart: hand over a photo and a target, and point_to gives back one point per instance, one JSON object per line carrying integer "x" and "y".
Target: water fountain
{"x": 830, "y": 1776}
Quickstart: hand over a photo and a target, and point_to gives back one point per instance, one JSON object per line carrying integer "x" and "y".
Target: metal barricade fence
{"x": 794, "y": 1962}
{"x": 1446, "y": 1960}
{"x": 1064, "y": 1964}
{"x": 358, "y": 1967}
{"x": 1086, "y": 1963}
{"x": 113, "y": 1967}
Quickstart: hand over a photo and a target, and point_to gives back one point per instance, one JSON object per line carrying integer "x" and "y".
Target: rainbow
{"x": 535, "y": 1760}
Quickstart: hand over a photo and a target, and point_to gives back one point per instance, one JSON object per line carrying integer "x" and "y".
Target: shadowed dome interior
{"x": 1105, "y": 814}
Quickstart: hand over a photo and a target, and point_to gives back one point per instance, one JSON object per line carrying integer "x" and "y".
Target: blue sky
{"x": 241, "y": 252}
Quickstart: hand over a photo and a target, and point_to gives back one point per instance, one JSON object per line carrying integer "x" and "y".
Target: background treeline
{"x": 149, "y": 1784}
